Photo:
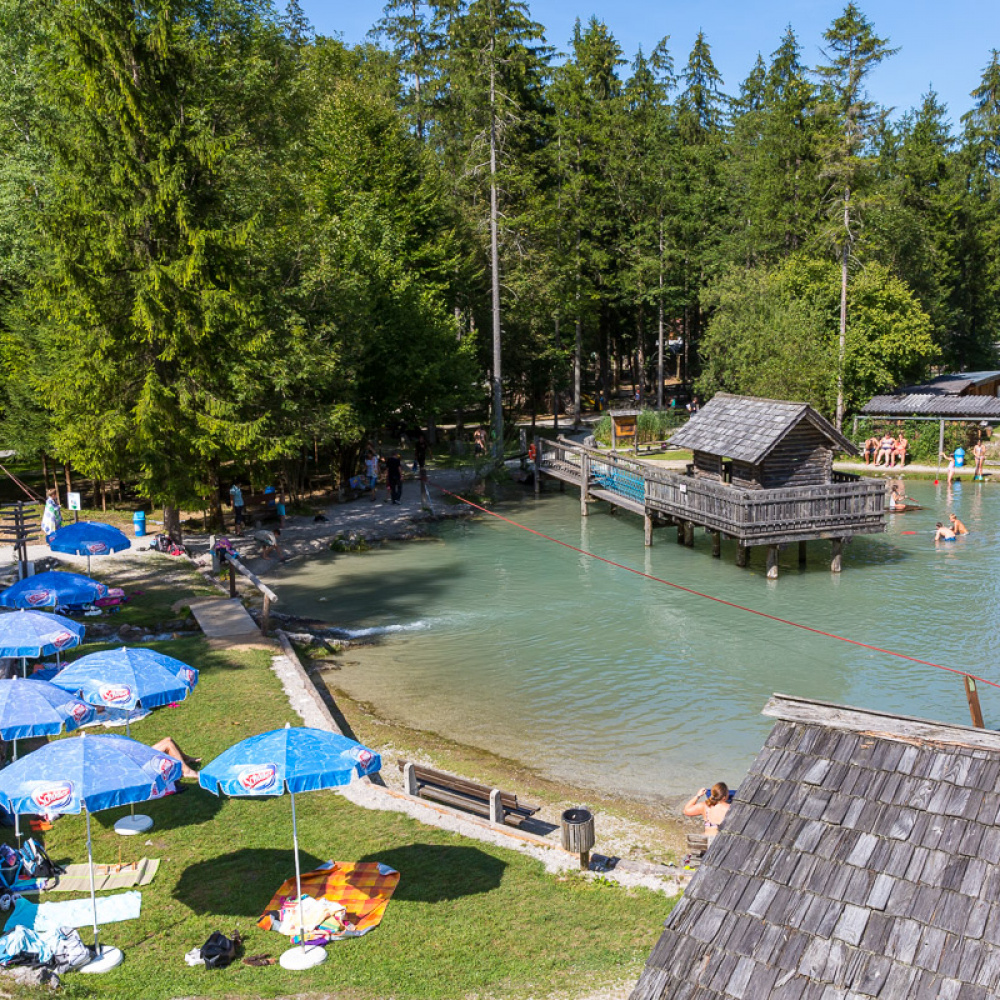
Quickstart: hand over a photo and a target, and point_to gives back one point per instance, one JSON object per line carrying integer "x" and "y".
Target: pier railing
{"x": 849, "y": 505}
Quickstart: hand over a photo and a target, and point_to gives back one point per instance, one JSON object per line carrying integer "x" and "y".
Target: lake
{"x": 502, "y": 640}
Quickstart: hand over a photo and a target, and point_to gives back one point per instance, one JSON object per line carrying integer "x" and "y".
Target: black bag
{"x": 218, "y": 951}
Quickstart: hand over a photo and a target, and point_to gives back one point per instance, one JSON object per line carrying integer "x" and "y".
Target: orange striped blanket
{"x": 363, "y": 888}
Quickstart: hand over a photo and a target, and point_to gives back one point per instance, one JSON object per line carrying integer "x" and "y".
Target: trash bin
{"x": 578, "y": 833}
{"x": 139, "y": 523}
{"x": 959, "y": 458}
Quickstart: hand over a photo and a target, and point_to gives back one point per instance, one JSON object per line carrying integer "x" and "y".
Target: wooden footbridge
{"x": 848, "y": 505}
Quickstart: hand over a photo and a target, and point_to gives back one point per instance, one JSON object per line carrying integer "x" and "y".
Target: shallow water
{"x": 503, "y": 640}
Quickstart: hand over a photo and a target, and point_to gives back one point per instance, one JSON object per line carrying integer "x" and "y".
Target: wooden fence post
{"x": 538, "y": 466}
{"x": 973, "y": 696}
{"x": 232, "y": 580}
{"x": 717, "y": 544}
{"x": 584, "y": 482}
{"x": 265, "y": 616}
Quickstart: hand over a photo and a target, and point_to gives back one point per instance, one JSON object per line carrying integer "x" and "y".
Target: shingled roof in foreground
{"x": 861, "y": 859}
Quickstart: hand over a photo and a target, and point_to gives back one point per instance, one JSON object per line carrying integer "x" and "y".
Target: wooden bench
{"x": 439, "y": 786}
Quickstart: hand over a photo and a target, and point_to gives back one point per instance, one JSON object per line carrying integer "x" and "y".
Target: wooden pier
{"x": 849, "y": 505}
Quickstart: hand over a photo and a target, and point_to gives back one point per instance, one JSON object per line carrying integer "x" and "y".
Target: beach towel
{"x": 46, "y": 917}
{"x": 363, "y": 888}
{"x": 76, "y": 878}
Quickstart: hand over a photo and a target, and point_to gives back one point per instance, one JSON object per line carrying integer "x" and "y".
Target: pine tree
{"x": 853, "y": 51}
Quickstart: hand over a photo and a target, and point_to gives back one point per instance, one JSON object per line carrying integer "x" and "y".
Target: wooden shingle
{"x": 861, "y": 859}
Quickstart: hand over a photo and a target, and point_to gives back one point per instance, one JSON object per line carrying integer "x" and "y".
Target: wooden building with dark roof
{"x": 761, "y": 444}
{"x": 860, "y": 859}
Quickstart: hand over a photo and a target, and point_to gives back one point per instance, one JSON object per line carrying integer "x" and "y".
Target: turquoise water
{"x": 500, "y": 639}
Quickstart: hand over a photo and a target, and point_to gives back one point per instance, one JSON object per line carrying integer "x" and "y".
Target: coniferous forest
{"x": 226, "y": 239}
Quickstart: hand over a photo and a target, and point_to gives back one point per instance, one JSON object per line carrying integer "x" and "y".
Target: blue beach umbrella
{"x": 49, "y": 590}
{"x": 89, "y": 538}
{"x": 36, "y": 708}
{"x": 296, "y": 759}
{"x": 126, "y": 679}
{"x": 87, "y": 773}
{"x": 37, "y": 633}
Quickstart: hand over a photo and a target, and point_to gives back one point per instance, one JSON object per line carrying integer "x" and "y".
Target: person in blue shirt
{"x": 239, "y": 509}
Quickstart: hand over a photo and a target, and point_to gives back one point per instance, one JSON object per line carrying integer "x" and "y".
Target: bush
{"x": 652, "y": 425}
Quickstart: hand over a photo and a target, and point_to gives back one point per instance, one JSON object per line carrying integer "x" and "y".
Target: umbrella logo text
{"x": 259, "y": 779}
{"x": 96, "y": 548}
{"x": 79, "y": 712}
{"x": 63, "y": 639}
{"x": 51, "y": 798}
{"x": 37, "y": 598}
{"x": 115, "y": 694}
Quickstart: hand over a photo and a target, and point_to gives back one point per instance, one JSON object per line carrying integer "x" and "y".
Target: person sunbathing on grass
{"x": 171, "y": 749}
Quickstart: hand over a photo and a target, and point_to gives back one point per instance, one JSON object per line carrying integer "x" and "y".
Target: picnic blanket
{"x": 76, "y": 878}
{"x": 363, "y": 888}
{"x": 45, "y": 917}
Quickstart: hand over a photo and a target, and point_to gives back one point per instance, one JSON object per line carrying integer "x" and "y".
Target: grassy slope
{"x": 467, "y": 919}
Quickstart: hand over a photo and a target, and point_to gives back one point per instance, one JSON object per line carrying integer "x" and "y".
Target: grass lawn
{"x": 467, "y": 920}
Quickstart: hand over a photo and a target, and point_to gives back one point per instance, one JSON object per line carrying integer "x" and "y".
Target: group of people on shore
{"x": 390, "y": 465}
{"x": 885, "y": 450}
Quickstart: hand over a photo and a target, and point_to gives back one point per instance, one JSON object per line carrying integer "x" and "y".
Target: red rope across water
{"x": 717, "y": 600}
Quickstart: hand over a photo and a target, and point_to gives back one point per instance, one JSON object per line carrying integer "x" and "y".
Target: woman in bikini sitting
{"x": 712, "y": 805}
{"x": 885, "y": 450}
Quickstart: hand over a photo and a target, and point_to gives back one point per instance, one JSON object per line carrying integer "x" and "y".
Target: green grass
{"x": 468, "y": 919}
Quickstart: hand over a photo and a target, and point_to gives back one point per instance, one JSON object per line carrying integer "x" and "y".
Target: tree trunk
{"x": 659, "y": 332}
{"x": 577, "y": 369}
{"x": 216, "y": 517}
{"x": 172, "y": 524}
{"x": 69, "y": 481}
{"x": 640, "y": 360}
{"x": 842, "y": 347}
{"x": 495, "y": 265}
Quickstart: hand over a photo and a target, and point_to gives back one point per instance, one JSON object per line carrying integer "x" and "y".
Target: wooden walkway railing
{"x": 848, "y": 506}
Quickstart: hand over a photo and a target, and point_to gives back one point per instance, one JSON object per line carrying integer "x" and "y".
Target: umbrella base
{"x": 107, "y": 959}
{"x": 129, "y": 826}
{"x": 302, "y": 957}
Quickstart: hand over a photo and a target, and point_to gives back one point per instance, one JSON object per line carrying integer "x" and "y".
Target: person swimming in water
{"x": 957, "y": 526}
{"x": 944, "y": 534}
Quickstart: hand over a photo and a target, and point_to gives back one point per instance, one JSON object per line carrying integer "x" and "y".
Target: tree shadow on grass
{"x": 430, "y": 873}
{"x": 241, "y": 883}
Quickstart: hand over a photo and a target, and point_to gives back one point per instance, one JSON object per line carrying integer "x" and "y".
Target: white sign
{"x": 73, "y": 501}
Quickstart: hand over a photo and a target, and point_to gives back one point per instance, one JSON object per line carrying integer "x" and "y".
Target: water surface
{"x": 500, "y": 639}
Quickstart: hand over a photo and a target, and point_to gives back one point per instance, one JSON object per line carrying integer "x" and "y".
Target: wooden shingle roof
{"x": 747, "y": 428}
{"x": 923, "y": 404}
{"x": 861, "y": 858}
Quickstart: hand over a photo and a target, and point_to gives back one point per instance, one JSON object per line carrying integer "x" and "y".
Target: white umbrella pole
{"x": 17, "y": 815}
{"x": 298, "y": 872}
{"x": 24, "y": 666}
{"x": 93, "y": 890}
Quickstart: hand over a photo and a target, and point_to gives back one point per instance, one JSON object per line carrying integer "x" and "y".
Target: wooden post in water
{"x": 717, "y": 544}
{"x": 836, "y": 553}
{"x": 689, "y": 534}
{"x": 647, "y": 527}
{"x": 973, "y": 695}
{"x": 802, "y": 553}
{"x": 584, "y": 482}
{"x": 538, "y": 463}
{"x": 940, "y": 448}
{"x": 680, "y": 532}
{"x": 772, "y": 562}
{"x": 742, "y": 554}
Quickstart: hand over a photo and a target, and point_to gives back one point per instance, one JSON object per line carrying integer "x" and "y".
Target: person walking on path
{"x": 394, "y": 476}
{"x": 52, "y": 515}
{"x": 421, "y": 449}
{"x": 371, "y": 472}
{"x": 239, "y": 508}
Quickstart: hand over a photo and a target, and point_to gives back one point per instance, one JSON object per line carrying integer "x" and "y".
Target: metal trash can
{"x": 578, "y": 833}
{"x": 139, "y": 523}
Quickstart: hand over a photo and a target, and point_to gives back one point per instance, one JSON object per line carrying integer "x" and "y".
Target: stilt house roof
{"x": 861, "y": 858}
{"x": 747, "y": 428}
